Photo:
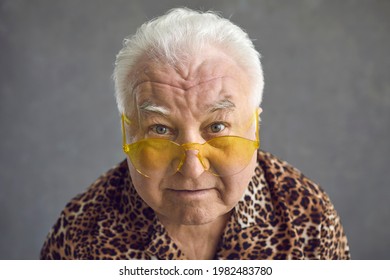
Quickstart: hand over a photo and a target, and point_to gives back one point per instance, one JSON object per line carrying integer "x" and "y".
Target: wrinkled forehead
{"x": 189, "y": 71}
{"x": 211, "y": 76}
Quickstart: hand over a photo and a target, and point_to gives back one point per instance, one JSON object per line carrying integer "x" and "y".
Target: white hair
{"x": 182, "y": 33}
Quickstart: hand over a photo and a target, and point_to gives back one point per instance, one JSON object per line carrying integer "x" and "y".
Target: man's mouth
{"x": 192, "y": 193}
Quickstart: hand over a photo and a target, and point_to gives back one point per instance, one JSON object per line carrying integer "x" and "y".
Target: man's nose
{"x": 192, "y": 167}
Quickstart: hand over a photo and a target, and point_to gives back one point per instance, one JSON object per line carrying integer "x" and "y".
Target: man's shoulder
{"x": 104, "y": 191}
{"x": 293, "y": 212}
{"x": 288, "y": 182}
{"x": 294, "y": 195}
{"x": 92, "y": 215}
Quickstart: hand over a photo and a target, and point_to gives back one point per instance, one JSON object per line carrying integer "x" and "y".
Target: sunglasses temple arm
{"x": 257, "y": 130}
{"x": 123, "y": 131}
{"x": 256, "y": 119}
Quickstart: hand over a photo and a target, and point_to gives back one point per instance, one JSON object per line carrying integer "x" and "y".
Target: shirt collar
{"x": 251, "y": 208}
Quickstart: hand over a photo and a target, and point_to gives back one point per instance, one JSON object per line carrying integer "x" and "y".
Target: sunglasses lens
{"x": 221, "y": 156}
{"x": 228, "y": 155}
{"x": 155, "y": 157}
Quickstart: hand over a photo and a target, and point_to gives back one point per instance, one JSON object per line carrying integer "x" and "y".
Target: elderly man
{"x": 195, "y": 185}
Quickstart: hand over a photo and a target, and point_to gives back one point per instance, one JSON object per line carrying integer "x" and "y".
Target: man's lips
{"x": 190, "y": 193}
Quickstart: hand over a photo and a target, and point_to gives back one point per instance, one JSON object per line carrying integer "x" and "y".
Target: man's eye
{"x": 160, "y": 129}
{"x": 217, "y": 127}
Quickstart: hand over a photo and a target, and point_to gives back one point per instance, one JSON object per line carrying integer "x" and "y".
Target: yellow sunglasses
{"x": 221, "y": 156}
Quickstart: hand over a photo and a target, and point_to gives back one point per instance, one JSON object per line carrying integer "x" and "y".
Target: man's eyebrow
{"x": 149, "y": 107}
{"x": 221, "y": 105}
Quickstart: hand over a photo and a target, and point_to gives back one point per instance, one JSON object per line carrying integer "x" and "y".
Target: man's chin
{"x": 195, "y": 216}
{"x": 189, "y": 216}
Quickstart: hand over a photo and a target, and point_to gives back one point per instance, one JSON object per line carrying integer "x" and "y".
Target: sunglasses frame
{"x": 186, "y": 146}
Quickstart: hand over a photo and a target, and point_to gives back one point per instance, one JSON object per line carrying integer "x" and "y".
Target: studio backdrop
{"x": 326, "y": 106}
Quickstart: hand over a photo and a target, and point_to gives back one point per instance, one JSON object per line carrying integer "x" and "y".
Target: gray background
{"x": 326, "y": 104}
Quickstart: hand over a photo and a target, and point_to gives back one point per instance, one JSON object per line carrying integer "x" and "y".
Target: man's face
{"x": 207, "y": 97}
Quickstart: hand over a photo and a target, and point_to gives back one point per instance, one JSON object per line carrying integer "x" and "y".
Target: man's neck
{"x": 198, "y": 242}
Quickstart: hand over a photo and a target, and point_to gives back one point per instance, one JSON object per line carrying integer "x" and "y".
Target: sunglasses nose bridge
{"x": 192, "y": 146}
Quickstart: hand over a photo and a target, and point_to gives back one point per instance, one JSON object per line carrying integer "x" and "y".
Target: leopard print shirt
{"x": 282, "y": 215}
